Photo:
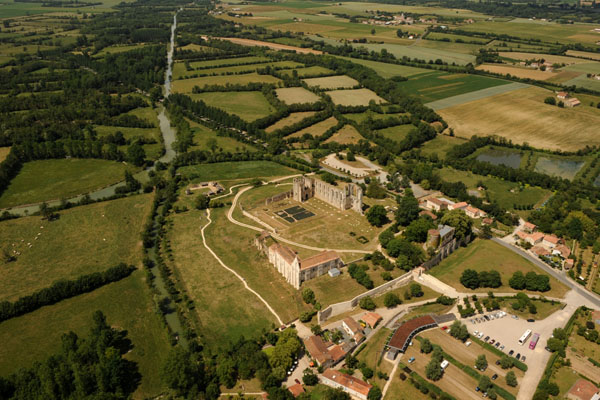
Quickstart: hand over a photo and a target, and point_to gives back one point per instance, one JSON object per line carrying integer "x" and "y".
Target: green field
{"x": 126, "y": 304}
{"x": 118, "y": 49}
{"x": 224, "y": 309}
{"x": 440, "y": 145}
{"x": 45, "y": 180}
{"x": 422, "y": 53}
{"x": 227, "y": 61}
{"x": 485, "y": 255}
{"x": 187, "y": 85}
{"x": 83, "y": 240}
{"x": 203, "y": 134}
{"x": 235, "y": 170}
{"x": 235, "y": 69}
{"x": 397, "y": 132}
{"x": 386, "y": 70}
{"x": 249, "y": 106}
{"x": 498, "y": 189}
{"x": 332, "y": 82}
{"x": 309, "y": 71}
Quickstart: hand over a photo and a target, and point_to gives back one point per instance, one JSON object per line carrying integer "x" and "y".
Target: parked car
{"x": 492, "y": 341}
{"x": 480, "y": 335}
{"x": 486, "y": 317}
{"x": 502, "y": 347}
{"x": 497, "y": 362}
{"x": 497, "y": 344}
{"x": 531, "y": 320}
{"x": 444, "y": 327}
{"x": 297, "y": 381}
{"x": 475, "y": 333}
{"x": 411, "y": 360}
{"x": 510, "y": 353}
{"x": 514, "y": 316}
{"x": 486, "y": 339}
{"x": 477, "y": 389}
{"x": 518, "y": 356}
{"x": 468, "y": 343}
{"x": 523, "y": 358}
{"x": 494, "y": 377}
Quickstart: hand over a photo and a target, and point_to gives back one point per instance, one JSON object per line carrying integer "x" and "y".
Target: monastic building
{"x": 296, "y": 271}
{"x": 345, "y": 197}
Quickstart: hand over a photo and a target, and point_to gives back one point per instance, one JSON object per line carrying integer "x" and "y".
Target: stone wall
{"x": 445, "y": 251}
{"x": 279, "y": 197}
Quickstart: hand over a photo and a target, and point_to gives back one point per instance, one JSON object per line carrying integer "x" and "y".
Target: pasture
{"x": 332, "y": 82}
{"x": 45, "y": 180}
{"x": 235, "y": 170}
{"x": 583, "y": 54}
{"x": 187, "y": 85}
{"x": 127, "y": 305}
{"x": 522, "y": 117}
{"x": 354, "y": 97}
{"x": 224, "y": 62}
{"x": 397, "y": 132}
{"x": 82, "y": 240}
{"x": 486, "y": 255}
{"x": 203, "y": 137}
{"x": 116, "y": 49}
{"x": 346, "y": 135}
{"x": 224, "y": 310}
{"x": 475, "y": 95}
{"x": 291, "y": 119}
{"x": 241, "y": 69}
{"x": 585, "y": 82}
{"x": 317, "y": 129}
{"x": 296, "y": 95}
{"x": 249, "y": 106}
{"x": 551, "y": 58}
{"x": 421, "y": 53}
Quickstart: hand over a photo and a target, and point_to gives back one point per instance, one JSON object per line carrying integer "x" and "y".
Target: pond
{"x": 508, "y": 158}
{"x": 555, "y": 167}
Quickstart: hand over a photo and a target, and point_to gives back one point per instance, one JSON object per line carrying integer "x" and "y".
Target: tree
{"x": 375, "y": 393}
{"x": 335, "y": 394}
{"x": 391, "y": 300}
{"x": 408, "y": 208}
{"x": 136, "y": 154}
{"x": 366, "y": 372}
{"x": 555, "y": 344}
{"x": 484, "y": 383}
{"x": 506, "y": 362}
{"x": 470, "y": 279}
{"x": 517, "y": 281}
{"x": 461, "y": 223}
{"x": 308, "y": 296}
{"x": 532, "y": 308}
{"x": 481, "y": 362}
{"x": 416, "y": 290}
{"x": 316, "y": 329}
{"x": 212, "y": 144}
{"x": 181, "y": 371}
{"x": 426, "y": 346}
{"x": 310, "y": 378}
{"x": 511, "y": 379}
{"x": 417, "y": 230}
{"x": 202, "y": 202}
{"x": 367, "y": 303}
{"x": 375, "y": 190}
{"x": 459, "y": 331}
{"x": 433, "y": 370}
{"x": 550, "y": 100}
{"x": 377, "y": 215}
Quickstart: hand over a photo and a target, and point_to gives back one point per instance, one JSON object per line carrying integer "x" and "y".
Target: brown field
{"x": 332, "y": 82}
{"x": 317, "y": 129}
{"x": 355, "y": 97}
{"x": 289, "y": 120}
{"x": 4, "y": 153}
{"x": 295, "y": 95}
{"x": 522, "y": 117}
{"x": 583, "y": 54}
{"x": 517, "y": 71}
{"x": 274, "y": 46}
{"x": 554, "y": 59}
{"x": 347, "y": 135}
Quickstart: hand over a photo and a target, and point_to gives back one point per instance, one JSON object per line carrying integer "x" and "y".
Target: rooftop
{"x": 288, "y": 254}
{"x": 317, "y": 349}
{"x": 352, "y": 324}
{"x": 296, "y": 389}
{"x": 371, "y": 318}
{"x": 583, "y": 389}
{"x": 323, "y": 257}
{"x": 348, "y": 381}
{"x": 404, "y": 332}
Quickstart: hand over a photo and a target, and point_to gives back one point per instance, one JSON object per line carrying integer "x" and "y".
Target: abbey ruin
{"x": 348, "y": 196}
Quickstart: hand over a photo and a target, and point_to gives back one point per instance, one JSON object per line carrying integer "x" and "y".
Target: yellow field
{"x": 317, "y": 129}
{"x": 332, "y": 82}
{"x": 583, "y": 54}
{"x": 187, "y": 85}
{"x": 355, "y": 97}
{"x": 289, "y": 120}
{"x": 554, "y": 59}
{"x": 522, "y": 117}
{"x": 274, "y": 46}
{"x": 296, "y": 95}
{"x": 519, "y": 72}
{"x": 347, "y": 135}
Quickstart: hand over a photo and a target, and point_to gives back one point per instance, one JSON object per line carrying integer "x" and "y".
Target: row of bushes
{"x": 520, "y": 365}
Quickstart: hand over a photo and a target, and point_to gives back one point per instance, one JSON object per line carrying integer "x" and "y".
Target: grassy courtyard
{"x": 83, "y": 240}
{"x": 486, "y": 255}
{"x": 45, "y": 180}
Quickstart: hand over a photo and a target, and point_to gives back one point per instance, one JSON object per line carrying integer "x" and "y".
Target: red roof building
{"x": 408, "y": 330}
{"x": 349, "y": 384}
{"x": 296, "y": 389}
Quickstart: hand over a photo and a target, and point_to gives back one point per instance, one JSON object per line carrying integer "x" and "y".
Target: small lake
{"x": 563, "y": 168}
{"x": 508, "y": 158}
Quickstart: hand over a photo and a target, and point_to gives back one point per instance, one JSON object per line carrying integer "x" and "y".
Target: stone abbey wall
{"x": 343, "y": 198}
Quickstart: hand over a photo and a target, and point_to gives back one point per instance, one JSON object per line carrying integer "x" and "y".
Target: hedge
{"x": 430, "y": 386}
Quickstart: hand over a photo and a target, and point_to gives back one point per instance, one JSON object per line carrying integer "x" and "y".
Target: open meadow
{"x": 354, "y": 97}
{"x": 291, "y": 119}
{"x": 397, "y": 133}
{"x": 296, "y": 95}
{"x": 519, "y": 72}
{"x": 4, "y": 151}
{"x": 523, "y": 117}
{"x": 204, "y": 135}
{"x": 82, "y": 240}
{"x": 332, "y": 82}
{"x": 45, "y": 180}
{"x": 485, "y": 255}
{"x": 249, "y": 106}
{"x": 317, "y": 129}
{"x": 346, "y": 135}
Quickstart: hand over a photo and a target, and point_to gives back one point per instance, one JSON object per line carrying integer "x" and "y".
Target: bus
{"x": 525, "y": 337}
{"x": 534, "y": 340}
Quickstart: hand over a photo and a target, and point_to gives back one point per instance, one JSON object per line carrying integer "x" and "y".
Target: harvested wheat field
{"x": 296, "y": 95}
{"x": 551, "y": 58}
{"x": 520, "y": 72}
{"x": 523, "y": 117}
{"x": 583, "y": 54}
{"x": 274, "y": 46}
{"x": 347, "y": 135}
{"x": 332, "y": 82}
{"x": 317, "y": 129}
{"x": 290, "y": 120}
{"x": 356, "y": 97}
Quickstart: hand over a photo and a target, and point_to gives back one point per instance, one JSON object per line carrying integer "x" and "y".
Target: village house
{"x": 371, "y": 319}
{"x": 296, "y": 389}
{"x": 436, "y": 204}
{"x": 529, "y": 227}
{"x": 583, "y": 389}
{"x": 349, "y": 384}
{"x": 351, "y": 326}
{"x": 324, "y": 354}
{"x": 572, "y": 102}
{"x": 474, "y": 212}
{"x": 551, "y": 241}
{"x": 562, "y": 95}
{"x": 531, "y": 238}
{"x": 568, "y": 264}
{"x": 459, "y": 206}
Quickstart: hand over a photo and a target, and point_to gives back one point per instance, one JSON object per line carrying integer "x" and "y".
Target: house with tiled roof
{"x": 354, "y": 387}
{"x": 296, "y": 389}
{"x": 371, "y": 319}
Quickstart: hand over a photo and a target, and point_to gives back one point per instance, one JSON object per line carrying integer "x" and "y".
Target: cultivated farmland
{"x": 347, "y": 135}
{"x": 332, "y": 82}
{"x": 519, "y": 72}
{"x": 249, "y": 106}
{"x": 296, "y": 95}
{"x": 187, "y": 85}
{"x": 354, "y": 97}
{"x": 289, "y": 120}
{"x": 317, "y": 129}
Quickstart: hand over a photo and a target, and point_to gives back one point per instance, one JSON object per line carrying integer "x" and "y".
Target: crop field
{"x": 397, "y": 132}
{"x": 438, "y": 85}
{"x": 362, "y": 117}
{"x": 354, "y": 97}
{"x": 83, "y": 240}
{"x": 453, "y": 37}
{"x": 386, "y": 70}
{"x": 296, "y": 95}
{"x": 222, "y": 62}
{"x": 306, "y": 72}
{"x": 274, "y": 46}
{"x": 332, "y": 82}
{"x": 522, "y": 116}
{"x": 127, "y": 305}
{"x": 187, "y": 85}
{"x": 235, "y": 170}
{"x": 290, "y": 120}
{"x": 421, "y": 53}
{"x": 498, "y": 189}
{"x": 346, "y": 135}
{"x": 586, "y": 67}
{"x": 225, "y": 310}
{"x": 317, "y": 129}
{"x": 440, "y": 145}
{"x": 45, "y": 180}
{"x": 585, "y": 82}
{"x": 203, "y": 134}
{"x": 240, "y": 69}
{"x": 118, "y": 49}
{"x": 249, "y": 106}
{"x": 475, "y": 95}
{"x": 583, "y": 54}
{"x": 554, "y": 59}
{"x": 485, "y": 255}
{"x": 519, "y": 72}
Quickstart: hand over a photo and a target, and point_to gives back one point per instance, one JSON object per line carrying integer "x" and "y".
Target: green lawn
{"x": 249, "y": 106}
{"x": 224, "y": 309}
{"x": 45, "y": 180}
{"x": 498, "y": 189}
{"x": 127, "y": 305}
{"x": 486, "y": 255}
{"x": 235, "y": 170}
{"x": 83, "y": 240}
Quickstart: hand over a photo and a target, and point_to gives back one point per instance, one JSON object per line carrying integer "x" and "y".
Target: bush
{"x": 358, "y": 273}
{"x": 511, "y": 379}
{"x": 391, "y": 300}
{"x": 367, "y": 303}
